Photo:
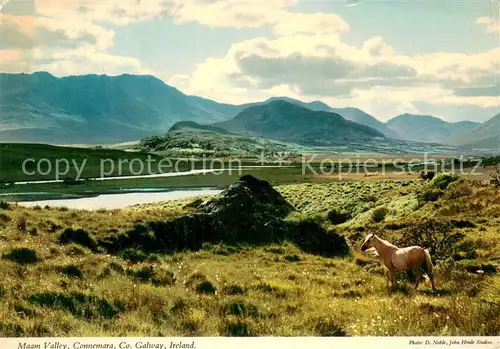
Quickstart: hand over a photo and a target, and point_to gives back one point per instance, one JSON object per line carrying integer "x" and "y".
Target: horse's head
{"x": 368, "y": 242}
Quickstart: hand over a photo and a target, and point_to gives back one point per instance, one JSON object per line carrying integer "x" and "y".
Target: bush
{"x": 78, "y": 236}
{"x": 206, "y": 287}
{"x": 233, "y": 290}
{"x": 378, "y": 214}
{"x": 71, "y": 270}
{"x": 78, "y": 304}
{"x": 458, "y": 189}
{"x": 337, "y": 217}
{"x": 157, "y": 276}
{"x": 133, "y": 255}
{"x": 22, "y": 256}
{"x": 428, "y": 194}
{"x": 4, "y": 205}
{"x": 437, "y": 236}
{"x": 442, "y": 180}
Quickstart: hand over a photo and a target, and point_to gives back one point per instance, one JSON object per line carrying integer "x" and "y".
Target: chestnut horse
{"x": 401, "y": 258}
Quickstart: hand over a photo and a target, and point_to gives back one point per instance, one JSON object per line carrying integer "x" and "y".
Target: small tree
{"x": 434, "y": 235}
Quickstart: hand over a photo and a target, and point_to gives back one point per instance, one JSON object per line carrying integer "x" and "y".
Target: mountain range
{"x": 426, "y": 128}
{"x": 89, "y": 109}
{"x": 39, "y": 107}
{"x": 484, "y": 136}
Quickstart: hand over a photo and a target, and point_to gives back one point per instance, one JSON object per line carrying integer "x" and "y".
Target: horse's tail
{"x": 428, "y": 262}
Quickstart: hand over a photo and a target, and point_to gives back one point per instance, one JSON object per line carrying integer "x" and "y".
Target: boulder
{"x": 250, "y": 211}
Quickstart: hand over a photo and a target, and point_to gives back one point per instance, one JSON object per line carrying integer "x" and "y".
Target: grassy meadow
{"x": 55, "y": 286}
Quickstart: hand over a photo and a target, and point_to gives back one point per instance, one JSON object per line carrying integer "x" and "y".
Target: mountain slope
{"x": 352, "y": 114}
{"x": 360, "y": 117}
{"x": 486, "y": 135}
{"x": 39, "y": 107}
{"x": 290, "y": 122}
{"x": 426, "y": 128}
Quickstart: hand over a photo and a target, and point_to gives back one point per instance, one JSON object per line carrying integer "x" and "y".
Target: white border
{"x": 250, "y": 343}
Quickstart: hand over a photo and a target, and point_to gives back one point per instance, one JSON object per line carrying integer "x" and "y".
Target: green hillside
{"x": 292, "y": 123}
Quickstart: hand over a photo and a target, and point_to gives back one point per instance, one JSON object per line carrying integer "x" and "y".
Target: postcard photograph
{"x": 301, "y": 171}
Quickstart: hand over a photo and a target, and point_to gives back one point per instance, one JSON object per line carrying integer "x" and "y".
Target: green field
{"x": 55, "y": 288}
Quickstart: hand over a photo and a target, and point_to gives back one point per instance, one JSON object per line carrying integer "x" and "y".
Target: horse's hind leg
{"x": 418, "y": 276}
{"x": 431, "y": 276}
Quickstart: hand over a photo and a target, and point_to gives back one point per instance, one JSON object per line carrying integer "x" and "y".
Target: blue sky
{"x": 391, "y": 57}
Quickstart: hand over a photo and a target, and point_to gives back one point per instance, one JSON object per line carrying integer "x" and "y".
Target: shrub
{"x": 71, "y": 270}
{"x": 378, "y": 214}
{"x": 312, "y": 238}
{"x": 78, "y": 304}
{"x": 428, "y": 194}
{"x": 22, "y": 256}
{"x": 206, "y": 287}
{"x": 133, "y": 255}
{"x": 157, "y": 276}
{"x": 337, "y": 217}
{"x": 4, "y": 205}
{"x": 233, "y": 290}
{"x": 442, "y": 180}
{"x": 437, "y": 236}
{"x": 78, "y": 236}
{"x": 458, "y": 189}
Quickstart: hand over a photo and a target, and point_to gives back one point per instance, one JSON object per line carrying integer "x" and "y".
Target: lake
{"x": 120, "y": 200}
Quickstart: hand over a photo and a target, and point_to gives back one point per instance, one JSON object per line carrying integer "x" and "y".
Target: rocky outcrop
{"x": 250, "y": 211}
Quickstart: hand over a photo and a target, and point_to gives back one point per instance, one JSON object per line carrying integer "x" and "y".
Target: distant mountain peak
{"x": 291, "y": 122}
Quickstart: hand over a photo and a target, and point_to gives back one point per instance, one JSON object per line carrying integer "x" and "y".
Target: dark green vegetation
{"x": 115, "y": 162}
{"x": 192, "y": 139}
{"x": 292, "y": 123}
{"x": 426, "y": 128}
{"x": 63, "y": 280}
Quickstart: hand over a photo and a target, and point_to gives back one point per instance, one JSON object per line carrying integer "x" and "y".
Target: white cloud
{"x": 118, "y": 12}
{"x": 321, "y": 66}
{"x": 28, "y": 32}
{"x": 255, "y": 14}
{"x": 61, "y": 46}
{"x": 492, "y": 25}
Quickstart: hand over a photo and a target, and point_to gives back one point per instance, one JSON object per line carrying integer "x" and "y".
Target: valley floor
{"x": 53, "y": 288}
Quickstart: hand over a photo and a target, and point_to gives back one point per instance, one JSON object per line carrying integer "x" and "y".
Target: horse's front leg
{"x": 392, "y": 277}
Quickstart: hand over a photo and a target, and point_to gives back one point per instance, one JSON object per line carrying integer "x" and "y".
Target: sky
{"x": 388, "y": 57}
